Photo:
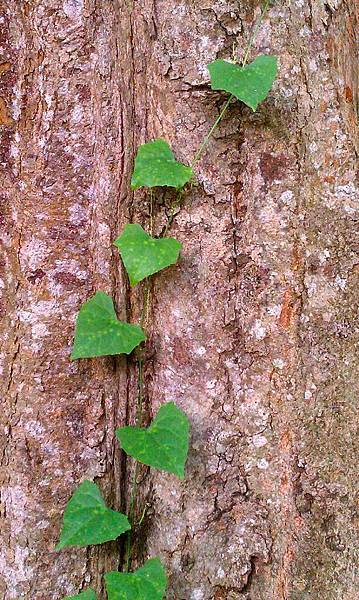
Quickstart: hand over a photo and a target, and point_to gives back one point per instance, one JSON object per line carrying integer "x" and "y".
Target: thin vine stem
{"x": 145, "y": 308}
{"x": 128, "y": 553}
{"x": 202, "y": 147}
{"x": 151, "y": 211}
{"x": 139, "y": 416}
{"x": 255, "y": 31}
{"x": 132, "y": 506}
{"x": 173, "y": 207}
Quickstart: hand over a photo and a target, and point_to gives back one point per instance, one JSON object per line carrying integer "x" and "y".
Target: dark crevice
{"x": 125, "y": 199}
{"x": 249, "y": 582}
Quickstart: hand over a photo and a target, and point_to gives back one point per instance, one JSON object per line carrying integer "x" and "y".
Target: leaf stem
{"x": 202, "y": 147}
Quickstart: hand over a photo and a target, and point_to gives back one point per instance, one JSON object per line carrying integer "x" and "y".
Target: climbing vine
{"x": 164, "y": 444}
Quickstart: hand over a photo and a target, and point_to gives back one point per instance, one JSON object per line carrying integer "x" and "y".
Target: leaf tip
{"x": 133, "y": 281}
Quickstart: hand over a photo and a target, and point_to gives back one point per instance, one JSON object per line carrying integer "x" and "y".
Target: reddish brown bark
{"x": 253, "y": 334}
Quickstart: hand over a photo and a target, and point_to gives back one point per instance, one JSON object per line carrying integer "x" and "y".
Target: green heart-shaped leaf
{"x": 155, "y": 165}
{"x": 163, "y": 445}
{"x": 147, "y": 583}
{"x": 87, "y": 520}
{"x": 86, "y": 595}
{"x": 100, "y": 333}
{"x": 250, "y": 84}
{"x": 143, "y": 255}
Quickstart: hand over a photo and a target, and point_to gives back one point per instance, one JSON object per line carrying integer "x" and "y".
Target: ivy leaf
{"x": 147, "y": 583}
{"x": 155, "y": 165}
{"x": 86, "y": 595}
{"x": 87, "y": 520}
{"x": 163, "y": 445}
{"x": 143, "y": 255}
{"x": 99, "y": 332}
{"x": 250, "y": 84}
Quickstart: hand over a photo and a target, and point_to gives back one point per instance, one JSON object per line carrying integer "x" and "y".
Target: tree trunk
{"x": 253, "y": 334}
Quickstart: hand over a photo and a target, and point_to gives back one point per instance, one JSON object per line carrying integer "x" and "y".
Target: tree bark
{"x": 253, "y": 333}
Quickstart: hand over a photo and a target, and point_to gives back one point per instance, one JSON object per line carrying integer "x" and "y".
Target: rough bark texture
{"x": 253, "y": 334}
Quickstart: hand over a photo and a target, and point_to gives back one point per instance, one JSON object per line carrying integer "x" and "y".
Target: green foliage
{"x": 155, "y": 165}
{"x": 143, "y": 255}
{"x": 147, "y": 583}
{"x": 250, "y": 84}
{"x": 163, "y": 445}
{"x": 86, "y": 595}
{"x": 87, "y": 520}
{"x": 99, "y": 332}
